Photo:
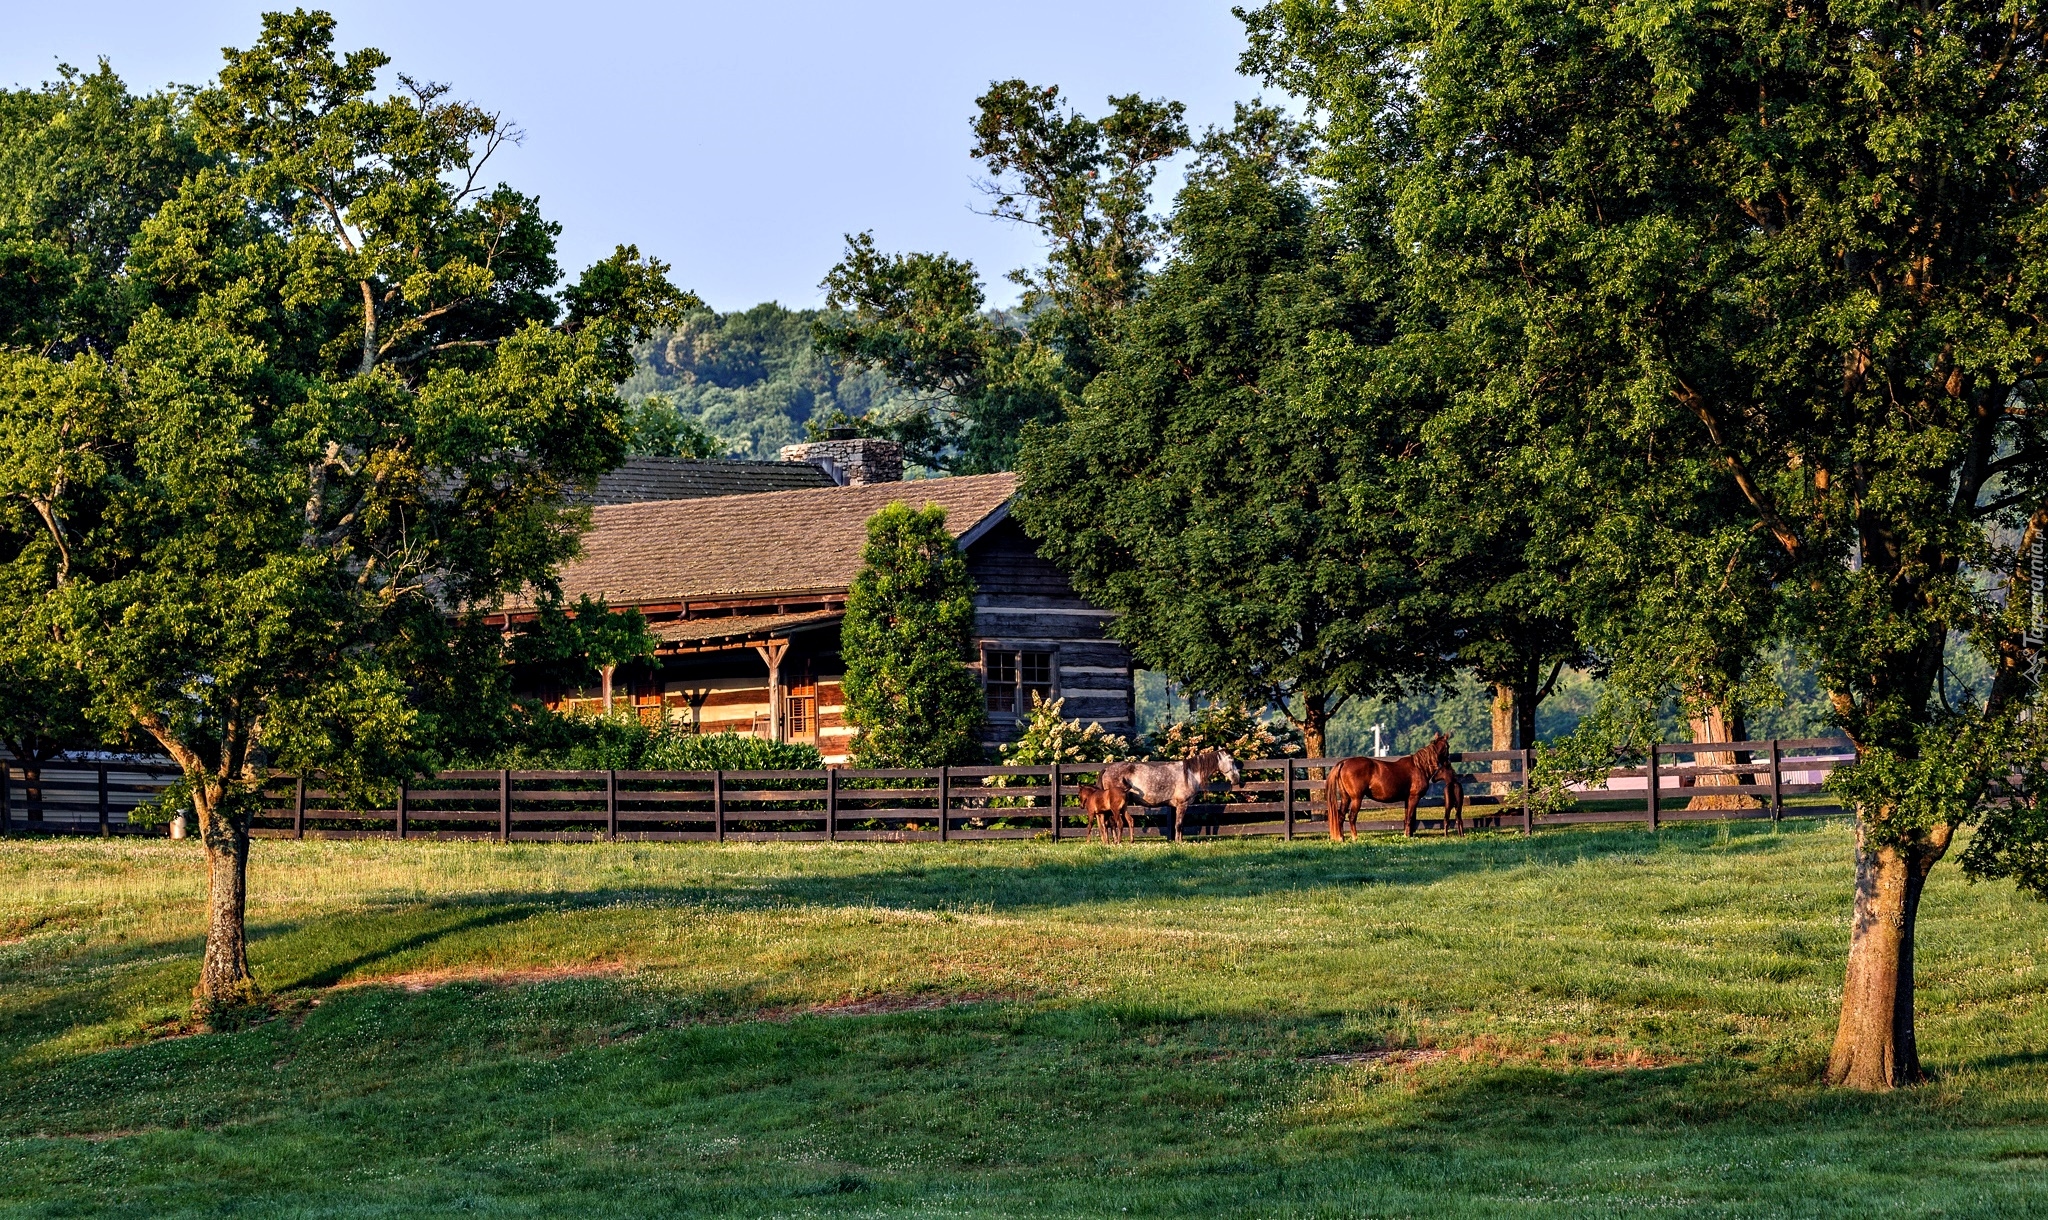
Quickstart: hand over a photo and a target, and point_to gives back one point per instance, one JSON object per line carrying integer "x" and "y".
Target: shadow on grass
{"x": 989, "y": 875}
{"x": 335, "y": 972}
{"x": 320, "y": 951}
{"x": 1087, "y": 1109}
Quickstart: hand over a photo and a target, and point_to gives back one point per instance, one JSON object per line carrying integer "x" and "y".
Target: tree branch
{"x": 1750, "y": 491}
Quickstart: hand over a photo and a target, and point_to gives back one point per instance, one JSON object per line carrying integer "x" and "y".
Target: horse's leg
{"x": 1414, "y": 799}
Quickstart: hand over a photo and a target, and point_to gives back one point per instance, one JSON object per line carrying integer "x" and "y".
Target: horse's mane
{"x": 1434, "y": 758}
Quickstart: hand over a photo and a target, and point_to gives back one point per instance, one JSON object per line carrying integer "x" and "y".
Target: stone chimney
{"x": 852, "y": 461}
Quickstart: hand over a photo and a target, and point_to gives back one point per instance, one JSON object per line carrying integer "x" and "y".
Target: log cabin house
{"x": 746, "y": 591}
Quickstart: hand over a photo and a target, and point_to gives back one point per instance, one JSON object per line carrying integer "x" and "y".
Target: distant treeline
{"x": 752, "y": 378}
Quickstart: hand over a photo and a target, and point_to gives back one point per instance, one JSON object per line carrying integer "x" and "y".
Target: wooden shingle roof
{"x": 756, "y": 545}
{"x": 640, "y": 479}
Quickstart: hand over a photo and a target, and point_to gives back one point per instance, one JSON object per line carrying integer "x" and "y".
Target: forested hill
{"x": 751, "y": 378}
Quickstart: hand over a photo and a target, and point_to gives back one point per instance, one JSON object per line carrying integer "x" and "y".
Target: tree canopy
{"x": 339, "y": 427}
{"x": 1216, "y": 487}
{"x": 1085, "y": 185}
{"x": 1763, "y": 281}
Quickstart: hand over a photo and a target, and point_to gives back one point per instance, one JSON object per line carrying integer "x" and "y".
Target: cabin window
{"x": 1034, "y": 675}
{"x": 999, "y": 671}
{"x": 1011, "y": 678}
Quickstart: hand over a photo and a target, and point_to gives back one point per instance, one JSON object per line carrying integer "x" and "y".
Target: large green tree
{"x": 1796, "y": 247}
{"x": 1227, "y": 486}
{"x": 339, "y": 428}
{"x": 907, "y": 640}
{"x": 1085, "y": 185}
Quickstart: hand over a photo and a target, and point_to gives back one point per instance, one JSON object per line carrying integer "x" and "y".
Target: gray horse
{"x": 1173, "y": 783}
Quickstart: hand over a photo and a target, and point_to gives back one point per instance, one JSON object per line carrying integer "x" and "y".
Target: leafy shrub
{"x": 1049, "y": 738}
{"x": 682, "y": 750}
{"x": 907, "y": 639}
{"x": 1227, "y": 726}
{"x": 550, "y": 741}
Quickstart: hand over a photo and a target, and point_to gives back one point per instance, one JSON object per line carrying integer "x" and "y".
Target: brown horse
{"x": 1393, "y": 779}
{"x": 1108, "y": 811}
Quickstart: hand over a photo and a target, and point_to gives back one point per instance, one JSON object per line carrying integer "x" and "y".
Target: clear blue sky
{"x": 738, "y": 141}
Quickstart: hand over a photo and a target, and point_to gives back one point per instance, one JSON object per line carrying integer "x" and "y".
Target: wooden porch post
{"x": 771, "y": 656}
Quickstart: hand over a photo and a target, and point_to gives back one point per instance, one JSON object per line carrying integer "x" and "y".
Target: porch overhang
{"x": 737, "y": 633}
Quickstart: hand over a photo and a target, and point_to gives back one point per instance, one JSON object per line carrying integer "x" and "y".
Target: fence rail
{"x": 1685, "y": 781}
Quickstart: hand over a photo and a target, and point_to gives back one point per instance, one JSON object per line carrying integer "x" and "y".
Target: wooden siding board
{"x": 1013, "y": 625}
{"x": 1004, "y": 561}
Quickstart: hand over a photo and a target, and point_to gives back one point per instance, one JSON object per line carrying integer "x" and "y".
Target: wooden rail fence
{"x": 1750, "y": 779}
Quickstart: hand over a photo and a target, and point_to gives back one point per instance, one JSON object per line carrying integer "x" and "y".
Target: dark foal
{"x": 1108, "y": 811}
{"x": 1393, "y": 779}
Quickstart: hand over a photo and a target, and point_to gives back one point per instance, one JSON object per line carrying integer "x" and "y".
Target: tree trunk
{"x": 1504, "y": 719}
{"x": 224, "y": 980}
{"x": 369, "y": 364}
{"x": 1874, "y": 1044}
{"x": 1526, "y": 700}
{"x": 1314, "y": 723}
{"x": 32, "y": 786}
{"x": 1717, "y": 723}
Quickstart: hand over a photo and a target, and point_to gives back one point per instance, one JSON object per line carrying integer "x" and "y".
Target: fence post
{"x": 831, "y": 803}
{"x": 1653, "y": 786}
{"x": 403, "y": 785}
{"x": 945, "y": 801}
{"x": 1055, "y": 802}
{"x": 299, "y": 809}
{"x": 611, "y": 806}
{"x": 104, "y": 832}
{"x": 1777, "y": 782}
{"x": 504, "y": 806}
{"x": 1528, "y": 814}
{"x": 718, "y": 804}
{"x": 6, "y": 797}
{"x": 1287, "y": 787}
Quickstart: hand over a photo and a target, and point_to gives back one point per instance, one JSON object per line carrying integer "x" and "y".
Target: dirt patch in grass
{"x": 1576, "y": 1053}
{"x": 882, "y": 1005}
{"x": 1388, "y": 1057}
{"x": 425, "y": 980}
{"x": 99, "y": 1137}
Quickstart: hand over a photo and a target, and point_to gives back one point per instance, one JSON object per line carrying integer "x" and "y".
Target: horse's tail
{"x": 1338, "y": 796}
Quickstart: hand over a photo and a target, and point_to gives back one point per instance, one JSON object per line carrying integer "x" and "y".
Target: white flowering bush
{"x": 1227, "y": 726}
{"x": 1048, "y": 738}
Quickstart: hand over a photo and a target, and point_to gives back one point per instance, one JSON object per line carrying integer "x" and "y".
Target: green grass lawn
{"x": 1591, "y": 1022}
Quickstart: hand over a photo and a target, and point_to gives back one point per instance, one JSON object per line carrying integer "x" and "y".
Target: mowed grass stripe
{"x": 1600, "y": 1021}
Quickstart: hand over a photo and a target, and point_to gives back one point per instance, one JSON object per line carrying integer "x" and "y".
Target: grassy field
{"x": 1590, "y": 1022}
